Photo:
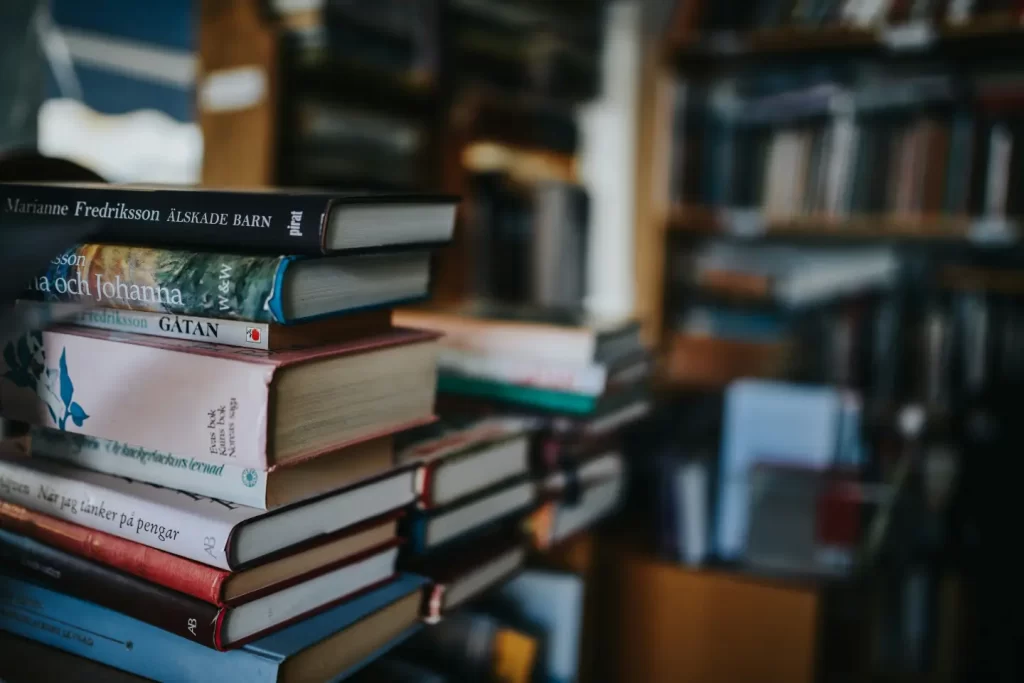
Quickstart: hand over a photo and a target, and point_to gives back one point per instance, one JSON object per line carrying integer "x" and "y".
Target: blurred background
{"x": 808, "y": 205}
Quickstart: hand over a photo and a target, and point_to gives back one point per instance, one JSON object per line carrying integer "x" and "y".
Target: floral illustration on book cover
{"x": 163, "y": 281}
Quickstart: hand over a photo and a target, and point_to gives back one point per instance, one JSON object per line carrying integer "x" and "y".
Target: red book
{"x": 212, "y": 585}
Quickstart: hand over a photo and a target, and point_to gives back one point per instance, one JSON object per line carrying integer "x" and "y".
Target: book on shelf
{"x": 459, "y": 460}
{"x": 278, "y": 289}
{"x": 247, "y": 334}
{"x": 220, "y": 627}
{"x": 278, "y": 221}
{"x": 214, "y": 532}
{"x": 431, "y": 530}
{"x": 256, "y": 410}
{"x": 330, "y": 645}
{"x": 262, "y": 489}
{"x": 460, "y": 574}
{"x": 209, "y": 584}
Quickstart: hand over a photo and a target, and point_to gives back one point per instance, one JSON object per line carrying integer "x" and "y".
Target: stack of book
{"x": 211, "y": 461}
{"x": 475, "y": 491}
{"x": 581, "y": 379}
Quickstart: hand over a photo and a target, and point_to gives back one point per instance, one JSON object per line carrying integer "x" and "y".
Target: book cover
{"x": 189, "y": 283}
{"x": 188, "y": 398}
{"x": 111, "y": 638}
{"x": 223, "y": 480}
{"x": 180, "y": 574}
{"x": 242, "y": 333}
{"x": 167, "y": 609}
{"x": 185, "y": 524}
{"x": 275, "y": 222}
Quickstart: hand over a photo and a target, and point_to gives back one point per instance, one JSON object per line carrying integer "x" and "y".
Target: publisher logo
{"x": 252, "y": 335}
{"x": 250, "y": 477}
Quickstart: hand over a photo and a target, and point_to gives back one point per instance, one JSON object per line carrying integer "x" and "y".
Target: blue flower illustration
{"x": 26, "y": 368}
{"x": 250, "y": 477}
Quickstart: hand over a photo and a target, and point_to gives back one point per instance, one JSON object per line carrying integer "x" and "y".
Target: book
{"x": 592, "y": 379}
{"x": 264, "y": 490}
{"x": 278, "y": 289}
{"x": 328, "y": 646}
{"x": 243, "y": 333}
{"x": 536, "y": 397}
{"x": 217, "y": 626}
{"x": 529, "y": 332}
{"x": 576, "y": 476}
{"x": 430, "y": 530}
{"x": 209, "y": 584}
{"x": 458, "y": 461}
{"x": 463, "y": 573}
{"x": 558, "y": 521}
{"x": 275, "y": 222}
{"x": 394, "y": 670}
{"x": 218, "y": 403}
{"x": 206, "y": 530}
{"x": 38, "y": 663}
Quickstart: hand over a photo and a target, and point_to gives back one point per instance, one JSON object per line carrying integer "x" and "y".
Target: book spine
{"x": 191, "y": 578}
{"x": 130, "y": 595}
{"x": 132, "y": 517}
{"x": 269, "y": 223}
{"x": 223, "y": 481}
{"x": 586, "y": 379}
{"x": 188, "y": 283}
{"x": 117, "y": 640}
{"x": 193, "y": 404}
{"x": 241, "y": 333}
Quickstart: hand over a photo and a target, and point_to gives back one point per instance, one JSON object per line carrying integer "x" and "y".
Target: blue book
{"x": 329, "y": 646}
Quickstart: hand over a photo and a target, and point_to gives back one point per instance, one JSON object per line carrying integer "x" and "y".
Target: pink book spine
{"x": 186, "y": 403}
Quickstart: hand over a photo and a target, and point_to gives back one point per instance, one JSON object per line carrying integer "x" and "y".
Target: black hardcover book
{"x": 288, "y": 222}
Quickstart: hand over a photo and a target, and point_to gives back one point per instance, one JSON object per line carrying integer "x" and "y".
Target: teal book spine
{"x": 544, "y": 399}
{"x": 212, "y": 285}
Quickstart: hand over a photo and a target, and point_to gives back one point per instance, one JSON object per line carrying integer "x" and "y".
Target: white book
{"x": 249, "y": 335}
{"x": 588, "y": 379}
{"x": 206, "y": 530}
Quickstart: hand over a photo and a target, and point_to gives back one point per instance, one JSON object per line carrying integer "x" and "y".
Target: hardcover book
{"x": 463, "y": 573}
{"x": 278, "y": 289}
{"x": 265, "y": 490}
{"x": 431, "y": 530}
{"x": 218, "y": 626}
{"x": 215, "y": 403}
{"x": 461, "y": 460}
{"x": 329, "y": 646}
{"x": 242, "y": 333}
{"x": 216, "y": 586}
{"x": 276, "y": 222}
{"x": 527, "y": 332}
{"x": 206, "y": 530}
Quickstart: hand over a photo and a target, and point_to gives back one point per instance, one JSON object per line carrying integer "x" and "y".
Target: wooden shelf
{"x": 977, "y": 36}
{"x": 703, "y": 222}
